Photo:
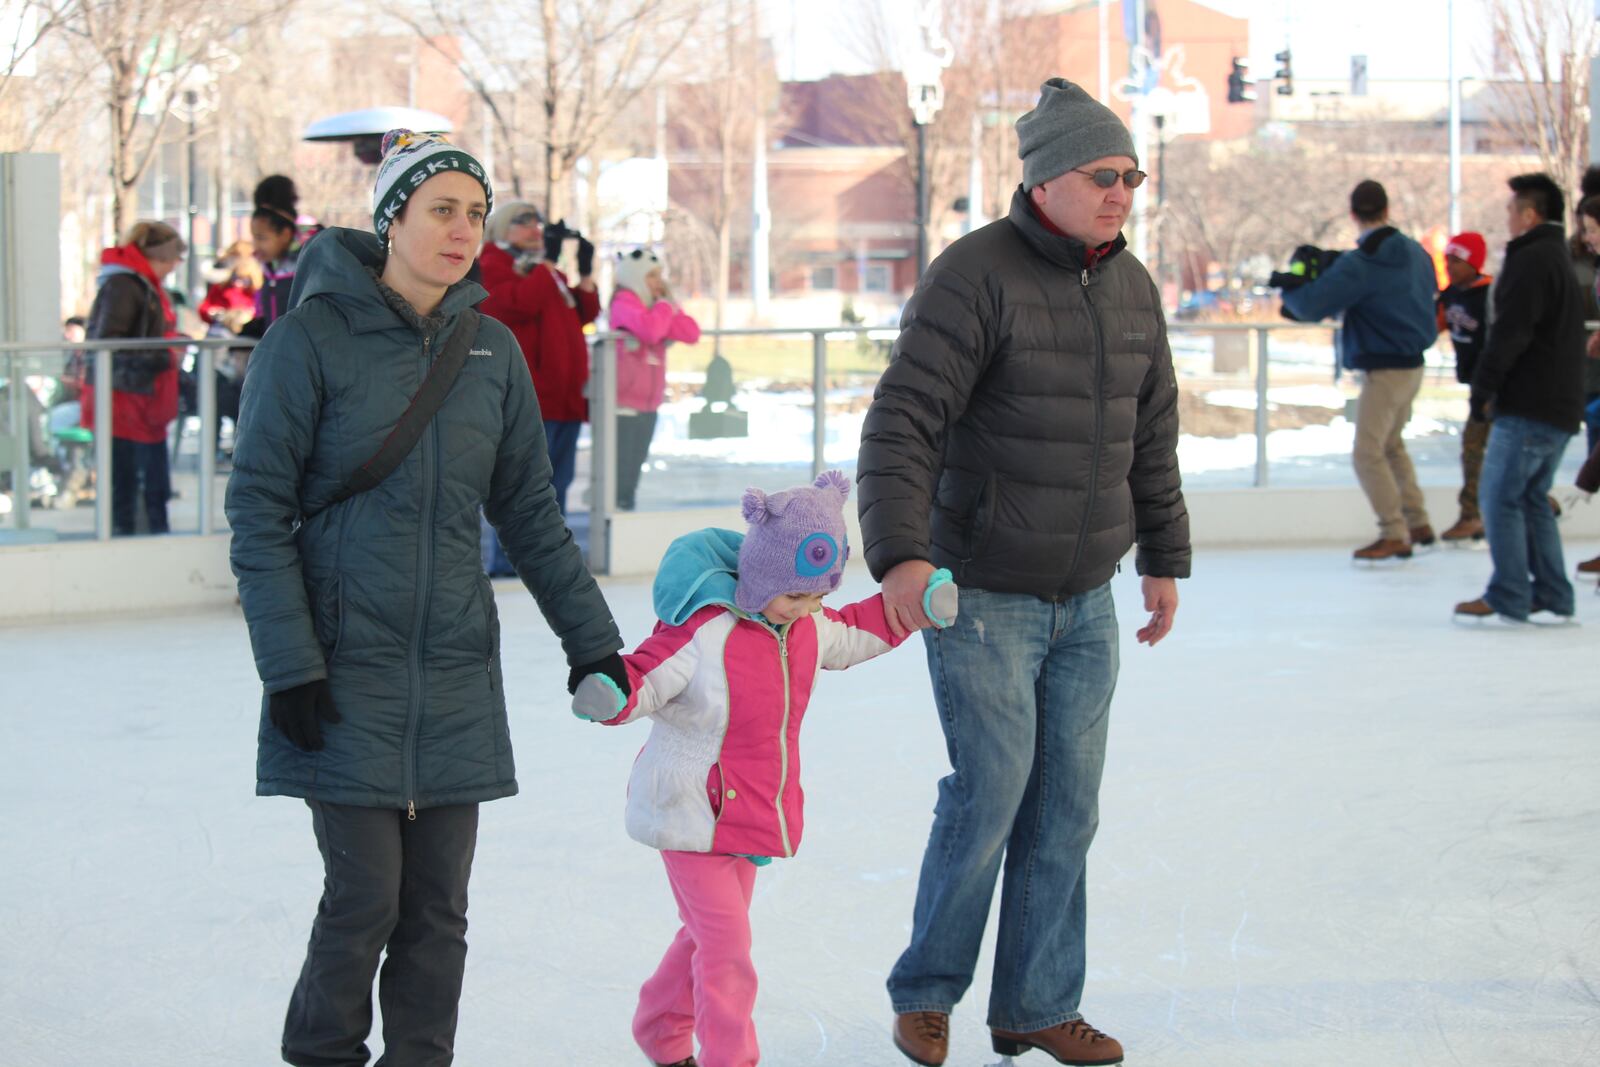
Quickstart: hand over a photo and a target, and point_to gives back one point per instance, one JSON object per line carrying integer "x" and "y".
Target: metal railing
{"x": 603, "y": 400}
{"x": 603, "y": 413}
{"x": 13, "y": 363}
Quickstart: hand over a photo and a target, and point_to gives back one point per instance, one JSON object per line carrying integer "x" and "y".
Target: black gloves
{"x": 299, "y": 712}
{"x": 555, "y": 235}
{"x": 559, "y": 233}
{"x": 612, "y": 667}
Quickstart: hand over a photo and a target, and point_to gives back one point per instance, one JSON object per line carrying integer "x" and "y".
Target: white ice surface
{"x": 1336, "y": 829}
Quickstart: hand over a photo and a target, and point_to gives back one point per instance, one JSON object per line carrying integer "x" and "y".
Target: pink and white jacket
{"x": 642, "y": 362}
{"x": 720, "y": 771}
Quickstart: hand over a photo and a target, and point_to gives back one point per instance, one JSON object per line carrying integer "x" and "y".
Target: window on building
{"x": 824, "y": 278}
{"x": 879, "y": 278}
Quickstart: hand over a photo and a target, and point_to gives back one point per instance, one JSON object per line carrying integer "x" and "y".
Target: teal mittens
{"x": 940, "y": 601}
{"x": 598, "y": 698}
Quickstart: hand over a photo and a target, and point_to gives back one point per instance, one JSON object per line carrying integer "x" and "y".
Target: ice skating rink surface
{"x": 1336, "y": 828}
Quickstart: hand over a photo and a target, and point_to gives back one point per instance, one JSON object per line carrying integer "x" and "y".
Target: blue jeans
{"x": 1023, "y": 687}
{"x": 1529, "y": 574}
{"x": 1591, "y": 420}
{"x": 561, "y": 438}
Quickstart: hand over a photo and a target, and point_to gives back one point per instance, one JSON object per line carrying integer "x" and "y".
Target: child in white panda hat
{"x": 642, "y": 306}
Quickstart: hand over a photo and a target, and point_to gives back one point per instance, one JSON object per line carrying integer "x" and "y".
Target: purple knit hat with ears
{"x": 797, "y": 541}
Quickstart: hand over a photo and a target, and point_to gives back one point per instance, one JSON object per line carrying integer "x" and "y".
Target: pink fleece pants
{"x": 706, "y": 983}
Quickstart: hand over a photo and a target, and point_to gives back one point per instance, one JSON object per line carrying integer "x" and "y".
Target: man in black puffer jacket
{"x": 1529, "y": 380}
{"x": 1024, "y": 436}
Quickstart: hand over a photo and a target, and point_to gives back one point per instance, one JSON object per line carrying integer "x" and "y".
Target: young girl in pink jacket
{"x": 727, "y": 676}
{"x": 642, "y": 306}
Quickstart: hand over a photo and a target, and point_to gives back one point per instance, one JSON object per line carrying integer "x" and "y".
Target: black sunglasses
{"x": 1106, "y": 177}
{"x": 526, "y": 218}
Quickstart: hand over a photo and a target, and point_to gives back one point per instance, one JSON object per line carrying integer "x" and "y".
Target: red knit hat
{"x": 1470, "y": 247}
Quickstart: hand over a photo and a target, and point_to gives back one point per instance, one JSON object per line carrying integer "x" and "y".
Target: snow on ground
{"x": 1336, "y": 828}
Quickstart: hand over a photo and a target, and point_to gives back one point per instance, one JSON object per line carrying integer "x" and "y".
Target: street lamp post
{"x": 925, "y": 95}
{"x": 191, "y": 101}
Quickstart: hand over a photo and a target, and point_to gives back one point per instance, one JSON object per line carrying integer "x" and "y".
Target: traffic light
{"x": 1285, "y": 73}
{"x": 1239, "y": 90}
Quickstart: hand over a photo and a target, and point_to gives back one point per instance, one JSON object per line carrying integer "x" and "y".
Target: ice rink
{"x": 1336, "y": 828}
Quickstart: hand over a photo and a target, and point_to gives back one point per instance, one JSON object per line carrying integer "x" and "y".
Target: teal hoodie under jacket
{"x": 384, "y": 594}
{"x": 1386, "y": 288}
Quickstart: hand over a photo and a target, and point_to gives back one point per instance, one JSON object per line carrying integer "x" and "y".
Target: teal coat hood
{"x": 698, "y": 569}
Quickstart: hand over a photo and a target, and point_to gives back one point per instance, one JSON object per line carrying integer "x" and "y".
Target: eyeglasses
{"x": 527, "y": 218}
{"x": 1106, "y": 177}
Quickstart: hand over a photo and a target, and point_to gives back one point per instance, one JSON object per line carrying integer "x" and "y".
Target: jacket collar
{"x": 336, "y": 266}
{"x": 1545, "y": 231}
{"x": 1053, "y": 246}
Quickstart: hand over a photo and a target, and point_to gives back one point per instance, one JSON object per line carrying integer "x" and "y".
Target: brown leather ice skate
{"x": 1382, "y": 549}
{"x": 924, "y": 1036}
{"x": 1422, "y": 536}
{"x": 1465, "y": 529}
{"x": 1076, "y": 1043}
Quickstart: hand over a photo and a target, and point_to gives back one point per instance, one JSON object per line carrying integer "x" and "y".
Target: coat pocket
{"x": 329, "y": 617}
{"x": 980, "y": 522}
{"x": 714, "y": 787}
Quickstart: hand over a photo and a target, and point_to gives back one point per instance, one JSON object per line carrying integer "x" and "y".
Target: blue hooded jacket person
{"x": 1386, "y": 289}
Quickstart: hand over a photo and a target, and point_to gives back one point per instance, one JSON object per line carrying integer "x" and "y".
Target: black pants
{"x": 633, "y": 448}
{"x": 135, "y": 464}
{"x": 397, "y": 887}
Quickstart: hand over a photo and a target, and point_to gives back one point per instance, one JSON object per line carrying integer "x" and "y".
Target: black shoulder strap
{"x": 429, "y": 399}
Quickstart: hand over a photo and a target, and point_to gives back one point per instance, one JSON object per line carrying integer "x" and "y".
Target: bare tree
{"x": 1547, "y": 45}
{"x": 41, "y": 75}
{"x": 147, "y": 51}
{"x": 24, "y": 26}
{"x": 712, "y": 125}
{"x": 578, "y": 66}
{"x": 994, "y": 76}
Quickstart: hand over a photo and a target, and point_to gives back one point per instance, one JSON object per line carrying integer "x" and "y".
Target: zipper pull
{"x": 1086, "y": 277}
{"x": 411, "y": 811}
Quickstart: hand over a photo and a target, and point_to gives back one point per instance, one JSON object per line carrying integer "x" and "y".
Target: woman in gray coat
{"x": 373, "y": 627}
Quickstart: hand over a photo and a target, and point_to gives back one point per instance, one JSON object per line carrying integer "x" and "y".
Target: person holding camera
{"x": 546, "y": 314}
{"x": 1386, "y": 289}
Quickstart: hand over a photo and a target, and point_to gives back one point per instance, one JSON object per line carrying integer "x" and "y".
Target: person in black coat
{"x": 1529, "y": 380}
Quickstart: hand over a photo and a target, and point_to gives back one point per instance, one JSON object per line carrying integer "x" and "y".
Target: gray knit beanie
{"x": 1067, "y": 129}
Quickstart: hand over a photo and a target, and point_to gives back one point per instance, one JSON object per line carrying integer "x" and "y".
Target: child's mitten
{"x": 598, "y": 698}
{"x": 940, "y": 601}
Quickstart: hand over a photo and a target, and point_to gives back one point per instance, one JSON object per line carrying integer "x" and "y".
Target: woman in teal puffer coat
{"x": 373, "y": 627}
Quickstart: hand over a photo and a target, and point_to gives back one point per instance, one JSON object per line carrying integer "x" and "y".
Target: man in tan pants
{"x": 1383, "y": 467}
{"x": 1385, "y": 288}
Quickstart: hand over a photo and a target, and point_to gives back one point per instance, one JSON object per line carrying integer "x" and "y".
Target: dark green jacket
{"x": 384, "y": 593}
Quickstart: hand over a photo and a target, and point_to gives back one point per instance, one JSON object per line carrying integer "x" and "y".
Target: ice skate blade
{"x": 1549, "y": 620}
{"x": 1489, "y": 622}
{"x": 1379, "y": 564}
